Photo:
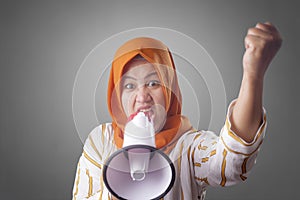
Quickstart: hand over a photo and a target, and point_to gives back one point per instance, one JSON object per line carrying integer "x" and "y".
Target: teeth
{"x": 145, "y": 110}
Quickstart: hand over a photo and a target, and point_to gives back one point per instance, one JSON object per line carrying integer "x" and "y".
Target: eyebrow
{"x": 130, "y": 77}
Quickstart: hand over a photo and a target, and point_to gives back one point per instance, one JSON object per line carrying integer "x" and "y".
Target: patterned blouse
{"x": 200, "y": 158}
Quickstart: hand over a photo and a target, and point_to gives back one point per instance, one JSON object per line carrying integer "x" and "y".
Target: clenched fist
{"x": 262, "y": 43}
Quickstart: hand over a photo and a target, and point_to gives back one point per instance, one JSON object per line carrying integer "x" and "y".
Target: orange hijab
{"x": 159, "y": 55}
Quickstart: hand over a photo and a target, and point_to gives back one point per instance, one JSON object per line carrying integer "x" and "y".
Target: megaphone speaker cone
{"x": 139, "y": 172}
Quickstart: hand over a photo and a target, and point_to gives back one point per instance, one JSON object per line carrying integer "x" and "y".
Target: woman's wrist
{"x": 253, "y": 78}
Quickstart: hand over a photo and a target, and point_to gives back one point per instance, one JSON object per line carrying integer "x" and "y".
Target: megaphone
{"x": 139, "y": 170}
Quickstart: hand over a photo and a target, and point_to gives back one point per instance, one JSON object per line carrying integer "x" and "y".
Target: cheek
{"x": 159, "y": 117}
{"x": 160, "y": 98}
{"x": 160, "y": 110}
{"x": 127, "y": 103}
{"x": 162, "y": 101}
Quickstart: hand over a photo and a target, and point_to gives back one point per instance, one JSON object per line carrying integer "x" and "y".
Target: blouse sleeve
{"x": 88, "y": 182}
{"x": 227, "y": 159}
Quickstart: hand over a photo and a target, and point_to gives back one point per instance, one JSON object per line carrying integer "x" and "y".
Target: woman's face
{"x": 141, "y": 90}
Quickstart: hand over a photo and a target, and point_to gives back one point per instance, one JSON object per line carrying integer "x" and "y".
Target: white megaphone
{"x": 139, "y": 171}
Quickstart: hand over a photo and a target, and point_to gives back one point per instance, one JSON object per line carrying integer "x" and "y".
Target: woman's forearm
{"x": 248, "y": 112}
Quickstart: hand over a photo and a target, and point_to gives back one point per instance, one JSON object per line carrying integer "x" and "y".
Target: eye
{"x": 129, "y": 86}
{"x": 153, "y": 83}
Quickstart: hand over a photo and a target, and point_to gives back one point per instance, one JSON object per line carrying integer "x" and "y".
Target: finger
{"x": 248, "y": 41}
{"x": 267, "y": 26}
{"x": 274, "y": 34}
{"x": 259, "y": 33}
{"x": 269, "y": 23}
{"x": 254, "y": 42}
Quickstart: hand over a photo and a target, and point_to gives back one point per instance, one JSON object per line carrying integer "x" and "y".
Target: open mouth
{"x": 147, "y": 111}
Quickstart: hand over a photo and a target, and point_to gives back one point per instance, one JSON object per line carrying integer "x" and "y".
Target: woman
{"x": 143, "y": 78}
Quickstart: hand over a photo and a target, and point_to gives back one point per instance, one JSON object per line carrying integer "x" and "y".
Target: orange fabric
{"x": 159, "y": 55}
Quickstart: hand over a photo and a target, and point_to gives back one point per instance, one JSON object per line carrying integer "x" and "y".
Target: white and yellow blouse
{"x": 201, "y": 159}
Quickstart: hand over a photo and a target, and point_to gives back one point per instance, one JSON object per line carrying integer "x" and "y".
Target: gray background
{"x": 43, "y": 43}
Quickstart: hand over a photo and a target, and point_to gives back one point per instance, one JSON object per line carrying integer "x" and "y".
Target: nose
{"x": 143, "y": 95}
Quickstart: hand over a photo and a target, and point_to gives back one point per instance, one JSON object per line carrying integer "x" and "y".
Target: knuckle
{"x": 259, "y": 24}
{"x": 248, "y": 38}
{"x": 263, "y": 42}
{"x": 251, "y": 30}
